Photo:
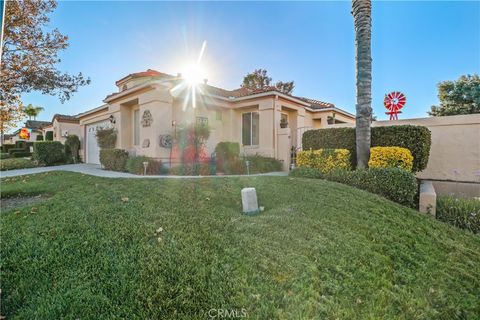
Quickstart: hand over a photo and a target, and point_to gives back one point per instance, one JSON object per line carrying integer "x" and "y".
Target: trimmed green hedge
{"x": 135, "y": 165}
{"x": 6, "y": 147}
{"x": 48, "y": 152}
{"x": 18, "y": 163}
{"x": 4, "y": 155}
{"x": 49, "y": 136}
{"x": 114, "y": 159}
{"x": 417, "y": 139}
{"x": 395, "y": 184}
{"x": 462, "y": 213}
{"x": 21, "y": 154}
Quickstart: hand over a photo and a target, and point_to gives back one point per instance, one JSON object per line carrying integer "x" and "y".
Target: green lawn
{"x": 319, "y": 250}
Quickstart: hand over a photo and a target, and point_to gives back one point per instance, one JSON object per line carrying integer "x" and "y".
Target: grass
{"x": 16, "y": 163}
{"x": 319, "y": 250}
{"x": 463, "y": 213}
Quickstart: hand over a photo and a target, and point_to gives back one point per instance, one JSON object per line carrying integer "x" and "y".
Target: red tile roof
{"x": 236, "y": 93}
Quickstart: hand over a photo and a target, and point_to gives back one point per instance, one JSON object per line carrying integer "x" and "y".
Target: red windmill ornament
{"x": 394, "y": 101}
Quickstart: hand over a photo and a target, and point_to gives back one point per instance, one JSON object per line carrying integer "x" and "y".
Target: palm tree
{"x": 362, "y": 17}
{"x": 32, "y": 111}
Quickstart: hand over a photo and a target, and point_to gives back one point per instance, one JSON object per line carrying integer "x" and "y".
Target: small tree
{"x": 458, "y": 97}
{"x": 258, "y": 79}
{"x": 73, "y": 144}
{"x": 106, "y": 137}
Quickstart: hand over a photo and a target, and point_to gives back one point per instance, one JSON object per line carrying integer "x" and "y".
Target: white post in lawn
{"x": 249, "y": 200}
{"x": 145, "y": 165}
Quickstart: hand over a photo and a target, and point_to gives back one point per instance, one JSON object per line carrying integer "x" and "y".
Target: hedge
{"x": 226, "y": 152}
{"x": 417, "y": 139}
{"x": 114, "y": 159}
{"x": 4, "y": 155}
{"x": 391, "y": 157}
{"x": 15, "y": 150}
{"x": 395, "y": 184}
{"x": 324, "y": 159}
{"x": 135, "y": 165}
{"x": 49, "y": 136}
{"x": 21, "y": 154}
{"x": 48, "y": 152}
{"x": 6, "y": 147}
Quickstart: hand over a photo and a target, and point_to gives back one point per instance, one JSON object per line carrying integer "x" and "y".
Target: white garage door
{"x": 93, "y": 150}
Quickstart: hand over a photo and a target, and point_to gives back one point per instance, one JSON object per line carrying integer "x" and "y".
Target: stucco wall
{"x": 455, "y": 150}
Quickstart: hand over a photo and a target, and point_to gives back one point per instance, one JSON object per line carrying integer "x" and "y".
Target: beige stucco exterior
{"x": 224, "y": 118}
{"x": 455, "y": 149}
{"x": 61, "y": 129}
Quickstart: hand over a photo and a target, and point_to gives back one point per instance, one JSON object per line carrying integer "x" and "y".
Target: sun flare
{"x": 193, "y": 74}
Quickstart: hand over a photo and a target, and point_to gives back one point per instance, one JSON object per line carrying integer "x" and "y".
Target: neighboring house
{"x": 149, "y": 106}
{"x": 63, "y": 125}
{"x": 35, "y": 128}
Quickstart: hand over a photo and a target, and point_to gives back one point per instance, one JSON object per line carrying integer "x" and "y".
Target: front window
{"x": 136, "y": 127}
{"x": 250, "y": 128}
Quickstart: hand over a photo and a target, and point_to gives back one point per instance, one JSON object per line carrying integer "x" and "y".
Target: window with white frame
{"x": 136, "y": 127}
{"x": 250, "y": 128}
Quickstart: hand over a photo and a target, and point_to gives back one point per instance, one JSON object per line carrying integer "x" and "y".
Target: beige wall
{"x": 455, "y": 150}
{"x": 60, "y": 129}
{"x": 224, "y": 118}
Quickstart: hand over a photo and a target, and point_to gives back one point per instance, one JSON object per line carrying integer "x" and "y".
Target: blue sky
{"x": 414, "y": 46}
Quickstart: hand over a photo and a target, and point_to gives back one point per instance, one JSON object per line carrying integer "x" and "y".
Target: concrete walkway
{"x": 96, "y": 170}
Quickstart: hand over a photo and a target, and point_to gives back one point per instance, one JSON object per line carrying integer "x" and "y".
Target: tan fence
{"x": 455, "y": 151}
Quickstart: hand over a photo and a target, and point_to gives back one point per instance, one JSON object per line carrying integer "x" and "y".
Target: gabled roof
{"x": 142, "y": 74}
{"x": 36, "y": 125}
{"x": 241, "y": 92}
{"x": 65, "y": 118}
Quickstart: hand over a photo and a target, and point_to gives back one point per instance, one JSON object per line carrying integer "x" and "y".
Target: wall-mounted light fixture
{"x": 112, "y": 119}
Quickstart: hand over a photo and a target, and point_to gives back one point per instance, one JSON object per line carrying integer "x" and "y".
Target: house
{"x": 63, "y": 125}
{"x": 28, "y": 132}
{"x": 149, "y": 106}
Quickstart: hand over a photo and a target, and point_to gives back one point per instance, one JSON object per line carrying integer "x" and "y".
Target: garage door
{"x": 93, "y": 151}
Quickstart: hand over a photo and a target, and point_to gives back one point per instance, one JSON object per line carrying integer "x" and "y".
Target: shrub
{"x": 305, "y": 172}
{"x": 72, "y": 145}
{"x": 237, "y": 166}
{"x": 417, "y": 139}
{"x": 113, "y": 159}
{"x": 4, "y": 155}
{"x": 21, "y": 154}
{"x": 49, "y": 136}
{"x": 106, "y": 137}
{"x": 6, "y": 147}
{"x": 261, "y": 164}
{"x": 15, "y": 150}
{"x": 19, "y": 163}
{"x": 395, "y": 184}
{"x": 21, "y": 144}
{"x": 226, "y": 152}
{"x": 324, "y": 160}
{"x": 40, "y": 137}
{"x": 462, "y": 213}
{"x": 135, "y": 165}
{"x": 48, "y": 152}
{"x": 390, "y": 157}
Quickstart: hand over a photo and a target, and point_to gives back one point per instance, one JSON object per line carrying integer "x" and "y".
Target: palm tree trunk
{"x": 362, "y": 16}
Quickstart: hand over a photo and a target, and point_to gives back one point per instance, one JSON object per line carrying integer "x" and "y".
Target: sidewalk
{"x": 96, "y": 170}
